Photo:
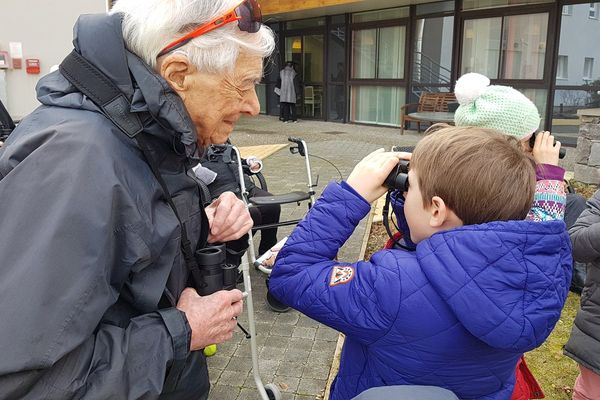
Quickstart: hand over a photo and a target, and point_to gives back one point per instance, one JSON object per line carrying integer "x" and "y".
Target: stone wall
{"x": 587, "y": 161}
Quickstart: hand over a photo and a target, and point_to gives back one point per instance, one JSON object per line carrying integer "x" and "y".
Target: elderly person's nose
{"x": 251, "y": 104}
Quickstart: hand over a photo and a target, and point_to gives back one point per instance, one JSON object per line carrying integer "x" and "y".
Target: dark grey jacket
{"x": 584, "y": 344}
{"x": 89, "y": 250}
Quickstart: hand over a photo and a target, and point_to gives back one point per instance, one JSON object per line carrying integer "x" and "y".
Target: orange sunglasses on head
{"x": 247, "y": 13}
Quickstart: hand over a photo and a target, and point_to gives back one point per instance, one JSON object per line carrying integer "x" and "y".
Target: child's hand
{"x": 545, "y": 150}
{"x": 272, "y": 253}
{"x": 369, "y": 174}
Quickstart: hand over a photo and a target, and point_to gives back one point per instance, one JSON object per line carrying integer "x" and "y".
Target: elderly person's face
{"x": 215, "y": 101}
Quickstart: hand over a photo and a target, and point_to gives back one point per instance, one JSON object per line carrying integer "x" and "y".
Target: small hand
{"x": 274, "y": 251}
{"x": 369, "y": 174}
{"x": 211, "y": 318}
{"x": 228, "y": 218}
{"x": 545, "y": 150}
{"x": 254, "y": 164}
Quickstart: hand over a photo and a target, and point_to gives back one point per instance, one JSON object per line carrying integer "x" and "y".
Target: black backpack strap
{"x": 116, "y": 106}
{"x": 102, "y": 91}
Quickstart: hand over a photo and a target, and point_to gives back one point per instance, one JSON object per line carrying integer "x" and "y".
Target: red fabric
{"x": 526, "y": 387}
{"x": 390, "y": 243}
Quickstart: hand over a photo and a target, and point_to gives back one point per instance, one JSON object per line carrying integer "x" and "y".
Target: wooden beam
{"x": 282, "y": 6}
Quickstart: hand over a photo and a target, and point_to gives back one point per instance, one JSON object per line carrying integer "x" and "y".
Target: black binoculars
{"x": 214, "y": 272}
{"x": 398, "y": 178}
{"x": 561, "y": 153}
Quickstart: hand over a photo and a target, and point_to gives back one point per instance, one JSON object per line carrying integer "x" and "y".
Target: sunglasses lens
{"x": 251, "y": 16}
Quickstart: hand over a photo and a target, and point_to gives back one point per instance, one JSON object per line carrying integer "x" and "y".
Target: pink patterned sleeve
{"x": 550, "y": 198}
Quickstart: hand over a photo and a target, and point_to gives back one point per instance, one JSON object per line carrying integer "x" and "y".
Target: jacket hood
{"x": 99, "y": 39}
{"x": 506, "y": 282}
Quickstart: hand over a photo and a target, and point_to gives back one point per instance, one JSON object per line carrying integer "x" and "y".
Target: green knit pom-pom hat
{"x": 496, "y": 107}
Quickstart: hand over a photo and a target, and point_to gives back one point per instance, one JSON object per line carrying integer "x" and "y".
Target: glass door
{"x": 307, "y": 52}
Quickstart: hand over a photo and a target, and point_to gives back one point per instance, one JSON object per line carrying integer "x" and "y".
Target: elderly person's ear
{"x": 176, "y": 69}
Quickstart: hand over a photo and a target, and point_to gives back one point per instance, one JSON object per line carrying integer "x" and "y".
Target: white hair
{"x": 150, "y": 25}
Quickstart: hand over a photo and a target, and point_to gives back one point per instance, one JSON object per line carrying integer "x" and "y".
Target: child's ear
{"x": 441, "y": 215}
{"x": 438, "y": 211}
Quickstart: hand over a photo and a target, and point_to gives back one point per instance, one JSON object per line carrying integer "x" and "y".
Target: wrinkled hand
{"x": 545, "y": 151}
{"x": 211, "y": 318}
{"x": 228, "y": 218}
{"x": 369, "y": 174}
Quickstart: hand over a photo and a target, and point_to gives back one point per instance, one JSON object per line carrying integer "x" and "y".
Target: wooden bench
{"x": 428, "y": 103}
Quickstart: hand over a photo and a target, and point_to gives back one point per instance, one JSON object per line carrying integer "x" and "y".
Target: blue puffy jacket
{"x": 456, "y": 313}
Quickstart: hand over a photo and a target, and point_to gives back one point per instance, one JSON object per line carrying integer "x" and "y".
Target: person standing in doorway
{"x": 289, "y": 86}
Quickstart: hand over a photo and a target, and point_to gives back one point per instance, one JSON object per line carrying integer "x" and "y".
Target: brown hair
{"x": 479, "y": 173}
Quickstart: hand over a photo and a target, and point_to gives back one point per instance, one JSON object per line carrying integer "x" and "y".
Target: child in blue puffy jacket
{"x": 484, "y": 285}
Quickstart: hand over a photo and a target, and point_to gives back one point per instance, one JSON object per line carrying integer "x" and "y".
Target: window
{"x": 378, "y": 53}
{"x": 510, "y": 47}
{"x": 588, "y": 68}
{"x": 593, "y": 13}
{"x": 377, "y": 104}
{"x": 562, "y": 71}
{"x": 567, "y": 10}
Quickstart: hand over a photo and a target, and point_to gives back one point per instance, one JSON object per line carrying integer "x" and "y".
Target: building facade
{"x": 361, "y": 61}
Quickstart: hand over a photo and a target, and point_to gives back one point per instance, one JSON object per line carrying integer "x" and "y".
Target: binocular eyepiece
{"x": 214, "y": 272}
{"x": 398, "y": 178}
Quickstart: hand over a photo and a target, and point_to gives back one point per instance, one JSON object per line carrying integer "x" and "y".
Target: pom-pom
{"x": 470, "y": 86}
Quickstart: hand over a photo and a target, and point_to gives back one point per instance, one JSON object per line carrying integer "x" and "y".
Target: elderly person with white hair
{"x": 97, "y": 227}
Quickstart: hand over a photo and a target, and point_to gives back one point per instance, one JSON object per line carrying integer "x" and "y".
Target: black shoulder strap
{"x": 102, "y": 91}
{"x": 116, "y": 106}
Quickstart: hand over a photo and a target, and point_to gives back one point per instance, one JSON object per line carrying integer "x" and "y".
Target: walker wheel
{"x": 273, "y": 392}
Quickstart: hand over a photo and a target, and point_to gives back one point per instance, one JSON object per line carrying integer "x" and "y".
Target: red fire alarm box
{"x": 32, "y": 66}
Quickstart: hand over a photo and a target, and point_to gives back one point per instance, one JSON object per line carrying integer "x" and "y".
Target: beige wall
{"x": 45, "y": 28}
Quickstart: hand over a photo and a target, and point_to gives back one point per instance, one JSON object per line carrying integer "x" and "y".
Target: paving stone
{"x": 282, "y": 330}
{"x": 300, "y": 343}
{"x": 277, "y": 341}
{"x": 287, "y": 396}
{"x": 307, "y": 322}
{"x": 268, "y": 367}
{"x": 305, "y": 333}
{"x": 239, "y": 364}
{"x": 223, "y": 392}
{"x": 214, "y": 375}
{"x": 288, "y": 318}
{"x": 316, "y": 370}
{"x": 304, "y": 397}
{"x": 296, "y": 355}
{"x": 309, "y": 386}
{"x": 325, "y": 333}
{"x": 288, "y": 384}
{"x": 272, "y": 353}
{"x": 289, "y": 368}
{"x": 218, "y": 361}
{"x": 248, "y": 394}
{"x": 232, "y": 378}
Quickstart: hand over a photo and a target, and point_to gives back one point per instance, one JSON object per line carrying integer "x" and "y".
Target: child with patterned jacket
{"x": 483, "y": 286}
